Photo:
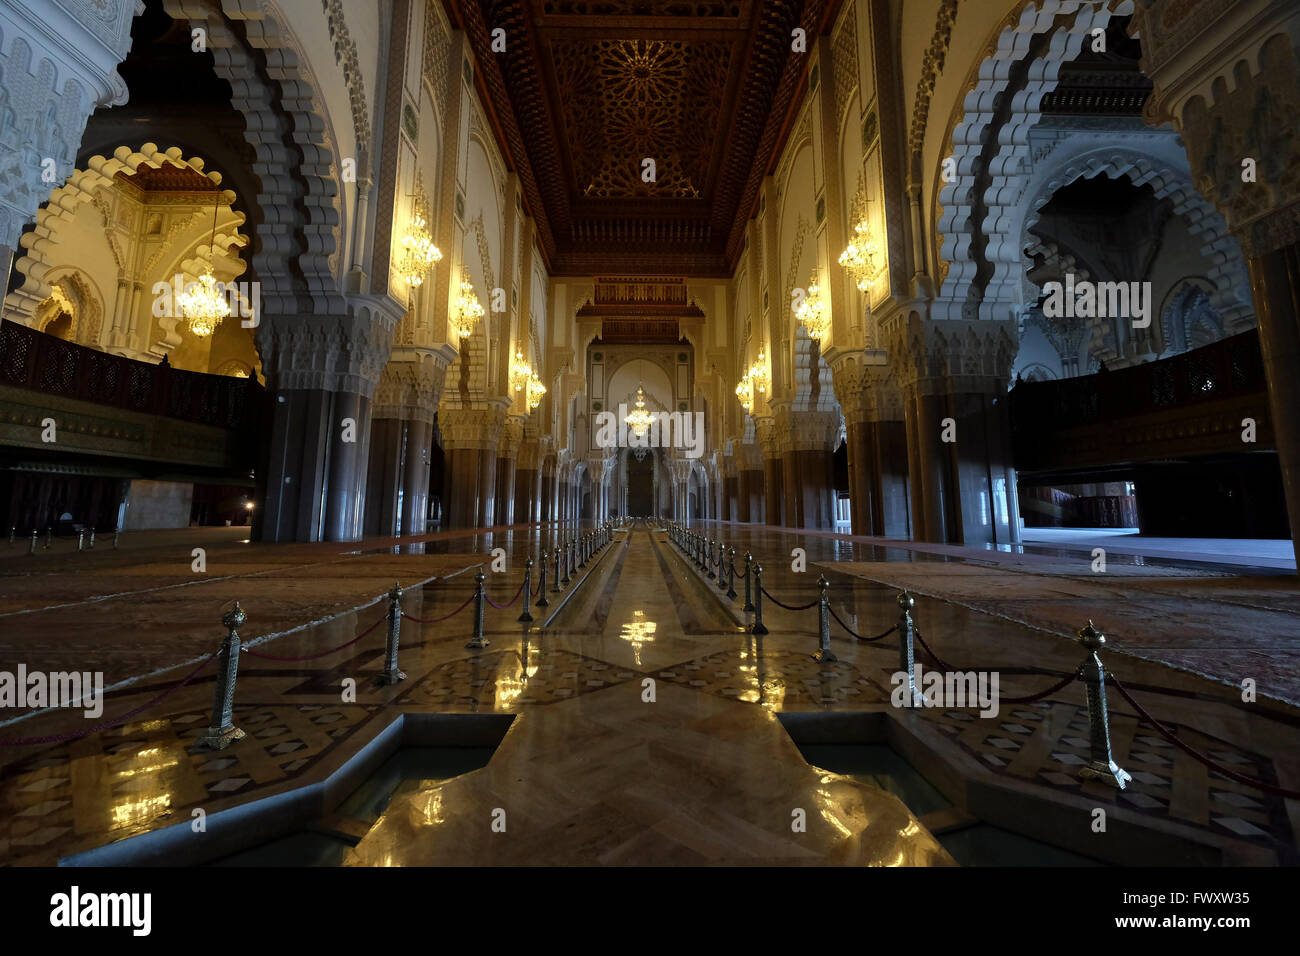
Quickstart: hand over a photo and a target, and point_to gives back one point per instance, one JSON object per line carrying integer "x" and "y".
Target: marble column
{"x": 385, "y": 476}
{"x": 1275, "y": 283}
{"x": 512, "y": 436}
{"x": 415, "y": 479}
{"x": 487, "y": 477}
{"x": 470, "y": 436}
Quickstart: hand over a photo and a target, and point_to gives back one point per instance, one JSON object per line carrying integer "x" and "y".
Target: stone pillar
{"x": 470, "y": 435}
{"x": 415, "y": 479}
{"x": 487, "y": 487}
{"x": 397, "y": 486}
{"x": 933, "y": 483}
{"x": 1275, "y": 283}
{"x": 385, "y": 476}
{"x": 773, "y": 474}
{"x": 547, "y": 500}
{"x": 954, "y": 375}
{"x": 808, "y": 466}
{"x": 321, "y": 372}
{"x": 512, "y": 436}
{"x": 1227, "y": 78}
{"x": 527, "y": 482}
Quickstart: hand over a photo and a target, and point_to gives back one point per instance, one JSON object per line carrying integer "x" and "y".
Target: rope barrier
{"x": 314, "y": 657}
{"x": 1195, "y": 754}
{"x": 439, "y": 620}
{"x": 502, "y": 607}
{"x": 1068, "y": 679}
{"x": 106, "y": 724}
{"x": 865, "y": 640}
{"x": 789, "y": 607}
{"x": 916, "y": 631}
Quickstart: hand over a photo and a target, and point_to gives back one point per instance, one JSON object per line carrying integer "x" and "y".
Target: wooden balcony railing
{"x": 33, "y": 360}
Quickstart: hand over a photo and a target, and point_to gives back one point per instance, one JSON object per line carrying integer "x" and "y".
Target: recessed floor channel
{"x": 326, "y": 842}
{"x": 852, "y": 749}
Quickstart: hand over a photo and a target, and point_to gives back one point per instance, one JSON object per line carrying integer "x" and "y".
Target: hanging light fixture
{"x": 520, "y": 372}
{"x": 859, "y": 257}
{"x": 468, "y": 311}
{"x": 760, "y": 375}
{"x": 534, "y": 391}
{"x": 203, "y": 304}
{"x": 812, "y": 312}
{"x": 745, "y": 392}
{"x": 419, "y": 253}
{"x": 639, "y": 420}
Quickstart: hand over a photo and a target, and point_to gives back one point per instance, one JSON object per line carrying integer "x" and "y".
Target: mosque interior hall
{"x": 584, "y": 433}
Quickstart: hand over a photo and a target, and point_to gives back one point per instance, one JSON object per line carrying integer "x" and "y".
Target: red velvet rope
{"x": 438, "y": 620}
{"x": 1196, "y": 755}
{"x": 313, "y": 657}
{"x": 502, "y": 607}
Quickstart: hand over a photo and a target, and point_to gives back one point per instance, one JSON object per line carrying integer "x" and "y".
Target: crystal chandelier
{"x": 812, "y": 312}
{"x": 745, "y": 392}
{"x": 419, "y": 253}
{"x": 533, "y": 391}
{"x": 859, "y": 257}
{"x": 520, "y": 372}
{"x": 759, "y": 374}
{"x": 203, "y": 304}
{"x": 468, "y": 311}
{"x": 639, "y": 420}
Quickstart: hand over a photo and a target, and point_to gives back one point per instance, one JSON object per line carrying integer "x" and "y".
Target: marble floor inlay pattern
{"x": 596, "y": 768}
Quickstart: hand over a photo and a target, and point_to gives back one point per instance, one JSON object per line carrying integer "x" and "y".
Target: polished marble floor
{"x": 591, "y": 772}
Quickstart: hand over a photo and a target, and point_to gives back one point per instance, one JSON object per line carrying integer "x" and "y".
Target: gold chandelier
{"x": 745, "y": 392}
{"x": 859, "y": 257}
{"x": 533, "y": 391}
{"x": 759, "y": 373}
{"x": 468, "y": 311}
{"x": 639, "y": 420}
{"x": 419, "y": 253}
{"x": 812, "y": 312}
{"x": 203, "y": 304}
{"x": 520, "y": 372}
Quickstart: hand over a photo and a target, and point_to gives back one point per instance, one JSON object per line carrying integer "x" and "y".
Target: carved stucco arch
{"x": 42, "y": 252}
{"x": 86, "y": 299}
{"x": 300, "y": 202}
{"x": 1168, "y": 180}
{"x": 1064, "y": 24}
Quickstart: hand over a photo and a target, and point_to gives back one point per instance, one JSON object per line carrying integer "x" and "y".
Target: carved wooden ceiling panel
{"x": 587, "y": 90}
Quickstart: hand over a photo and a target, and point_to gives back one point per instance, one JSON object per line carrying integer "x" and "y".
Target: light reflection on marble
{"x": 609, "y": 778}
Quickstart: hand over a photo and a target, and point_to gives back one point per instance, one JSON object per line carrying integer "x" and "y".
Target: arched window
{"x": 1189, "y": 320}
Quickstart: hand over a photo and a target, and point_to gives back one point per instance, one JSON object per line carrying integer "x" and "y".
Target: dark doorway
{"x": 640, "y": 485}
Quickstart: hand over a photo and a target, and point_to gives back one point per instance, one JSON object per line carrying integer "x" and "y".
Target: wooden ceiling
{"x": 588, "y": 89}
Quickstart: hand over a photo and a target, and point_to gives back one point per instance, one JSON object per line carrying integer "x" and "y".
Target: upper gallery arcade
{"x": 454, "y": 236}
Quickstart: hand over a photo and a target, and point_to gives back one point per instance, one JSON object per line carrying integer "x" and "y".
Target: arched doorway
{"x": 640, "y": 484}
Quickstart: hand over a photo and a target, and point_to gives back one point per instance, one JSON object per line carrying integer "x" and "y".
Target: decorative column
{"x": 470, "y": 435}
{"x": 527, "y": 481}
{"x": 773, "y": 473}
{"x": 322, "y": 372}
{"x": 397, "y": 489}
{"x": 1227, "y": 77}
{"x": 954, "y": 377}
{"x": 807, "y": 458}
{"x": 512, "y": 436}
